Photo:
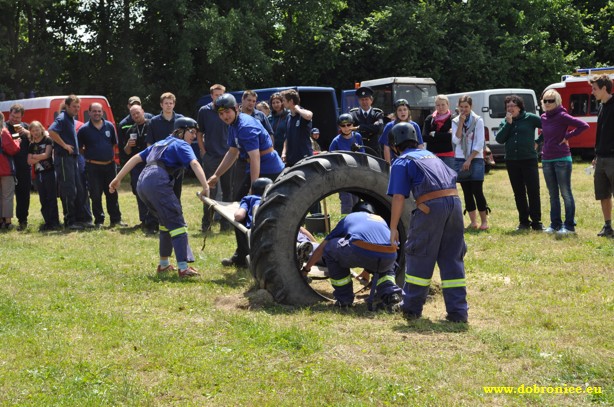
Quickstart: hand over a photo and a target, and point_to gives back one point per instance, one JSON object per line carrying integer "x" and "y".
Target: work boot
{"x": 233, "y": 261}
{"x": 392, "y": 302}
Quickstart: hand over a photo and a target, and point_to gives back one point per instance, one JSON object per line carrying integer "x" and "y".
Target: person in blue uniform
{"x": 347, "y": 140}
{"x": 247, "y": 138}
{"x": 155, "y": 188}
{"x": 402, "y": 113}
{"x": 160, "y": 126}
{"x": 97, "y": 140}
{"x": 369, "y": 121}
{"x": 127, "y": 122}
{"x": 436, "y": 228}
{"x": 361, "y": 239}
{"x": 298, "y": 127}
{"x": 65, "y": 159}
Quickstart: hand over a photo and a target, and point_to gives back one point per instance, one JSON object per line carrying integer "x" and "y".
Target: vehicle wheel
{"x": 284, "y": 207}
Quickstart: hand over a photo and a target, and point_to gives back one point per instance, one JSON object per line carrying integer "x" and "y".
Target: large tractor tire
{"x": 285, "y": 204}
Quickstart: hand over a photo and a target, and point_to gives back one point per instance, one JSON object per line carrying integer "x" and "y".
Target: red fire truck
{"x": 575, "y": 91}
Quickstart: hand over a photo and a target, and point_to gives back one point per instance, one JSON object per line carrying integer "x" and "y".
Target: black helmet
{"x": 400, "y": 133}
{"x": 345, "y": 118}
{"x": 362, "y": 206}
{"x": 226, "y": 101}
{"x": 185, "y": 123}
{"x": 400, "y": 102}
{"x": 260, "y": 185}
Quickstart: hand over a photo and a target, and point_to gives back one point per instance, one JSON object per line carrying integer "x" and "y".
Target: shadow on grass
{"x": 428, "y": 327}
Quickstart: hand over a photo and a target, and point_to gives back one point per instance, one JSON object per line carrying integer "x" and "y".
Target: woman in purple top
{"x": 556, "y": 160}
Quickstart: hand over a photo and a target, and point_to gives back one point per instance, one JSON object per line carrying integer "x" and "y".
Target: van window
{"x": 578, "y": 104}
{"x": 496, "y": 104}
{"x": 417, "y": 95}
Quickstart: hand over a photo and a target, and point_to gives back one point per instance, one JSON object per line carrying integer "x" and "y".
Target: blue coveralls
{"x": 155, "y": 188}
{"x": 436, "y": 237}
{"x": 342, "y": 252}
{"x": 341, "y": 143}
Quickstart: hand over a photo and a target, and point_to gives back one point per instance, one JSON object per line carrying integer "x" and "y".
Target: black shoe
{"x": 90, "y": 225}
{"x": 392, "y": 302}
{"x": 22, "y": 226}
{"x": 410, "y": 316}
{"x": 343, "y": 305}
{"x": 74, "y": 226}
{"x": 606, "y": 231}
{"x": 522, "y": 227}
{"x": 233, "y": 261}
{"x": 120, "y": 223}
{"x": 456, "y": 319}
{"x": 538, "y": 226}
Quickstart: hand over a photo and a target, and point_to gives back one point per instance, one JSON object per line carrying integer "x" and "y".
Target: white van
{"x": 490, "y": 105}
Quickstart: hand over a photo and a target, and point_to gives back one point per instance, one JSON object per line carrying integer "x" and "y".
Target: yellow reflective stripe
{"x": 163, "y": 229}
{"x": 386, "y": 278}
{"x": 178, "y": 231}
{"x": 341, "y": 282}
{"x": 417, "y": 280}
{"x": 460, "y": 282}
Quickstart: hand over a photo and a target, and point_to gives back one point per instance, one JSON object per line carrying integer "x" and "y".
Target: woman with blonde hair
{"x": 39, "y": 157}
{"x": 437, "y": 131}
{"x": 557, "y": 128}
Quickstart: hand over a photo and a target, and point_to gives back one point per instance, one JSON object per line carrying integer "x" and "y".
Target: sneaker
{"x": 606, "y": 231}
{"x": 565, "y": 232}
{"x": 189, "y": 272}
{"x": 168, "y": 268}
{"x": 523, "y": 227}
{"x": 303, "y": 252}
{"x": 550, "y": 230}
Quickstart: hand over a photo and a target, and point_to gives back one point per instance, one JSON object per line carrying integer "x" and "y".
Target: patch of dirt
{"x": 250, "y": 300}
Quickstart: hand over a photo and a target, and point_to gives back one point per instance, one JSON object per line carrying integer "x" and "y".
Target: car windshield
{"x": 417, "y": 95}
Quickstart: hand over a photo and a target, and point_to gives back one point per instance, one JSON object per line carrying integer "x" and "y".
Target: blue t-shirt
{"x": 250, "y": 203}
{"x": 177, "y": 154}
{"x": 247, "y": 134}
{"x": 160, "y": 128}
{"x": 345, "y": 144}
{"x": 261, "y": 117}
{"x": 365, "y": 227}
{"x": 98, "y": 143}
{"x": 383, "y": 140}
{"x": 215, "y": 130}
{"x": 298, "y": 139}
{"x": 64, "y": 125}
{"x": 419, "y": 171}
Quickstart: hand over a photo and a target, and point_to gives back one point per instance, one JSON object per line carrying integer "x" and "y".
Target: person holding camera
{"x": 9, "y": 148}
{"x": 347, "y": 140}
{"x": 468, "y": 140}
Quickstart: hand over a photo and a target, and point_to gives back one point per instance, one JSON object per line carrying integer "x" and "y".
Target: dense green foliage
{"x": 124, "y": 47}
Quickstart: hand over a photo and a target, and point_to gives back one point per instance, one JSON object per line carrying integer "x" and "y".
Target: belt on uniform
{"x": 99, "y": 162}
{"x": 379, "y": 248}
{"x": 434, "y": 195}
{"x": 264, "y": 152}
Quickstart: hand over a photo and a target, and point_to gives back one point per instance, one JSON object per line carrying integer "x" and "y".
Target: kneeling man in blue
{"x": 361, "y": 239}
{"x": 436, "y": 233}
{"x": 155, "y": 188}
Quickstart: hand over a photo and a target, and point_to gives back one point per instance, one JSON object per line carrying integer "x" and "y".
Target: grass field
{"x": 84, "y": 321}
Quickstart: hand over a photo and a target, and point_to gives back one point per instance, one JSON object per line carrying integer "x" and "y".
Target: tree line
{"x": 120, "y": 48}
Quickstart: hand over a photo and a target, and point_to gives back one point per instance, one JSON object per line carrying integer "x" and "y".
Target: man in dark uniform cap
{"x": 368, "y": 121}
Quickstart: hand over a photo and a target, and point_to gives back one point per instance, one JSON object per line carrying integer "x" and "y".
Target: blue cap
{"x": 315, "y": 130}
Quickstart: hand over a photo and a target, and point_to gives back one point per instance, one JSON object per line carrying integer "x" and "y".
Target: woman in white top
{"x": 468, "y": 140}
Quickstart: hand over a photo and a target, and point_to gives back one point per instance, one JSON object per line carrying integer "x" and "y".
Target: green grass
{"x": 84, "y": 321}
